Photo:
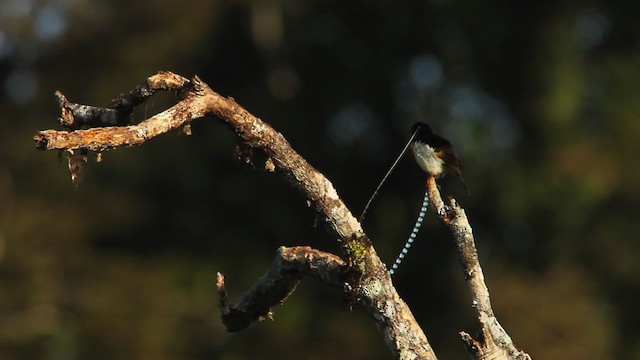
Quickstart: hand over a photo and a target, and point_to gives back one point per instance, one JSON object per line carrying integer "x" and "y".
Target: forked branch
{"x": 361, "y": 275}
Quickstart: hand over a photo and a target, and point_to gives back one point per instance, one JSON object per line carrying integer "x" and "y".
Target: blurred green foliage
{"x": 541, "y": 101}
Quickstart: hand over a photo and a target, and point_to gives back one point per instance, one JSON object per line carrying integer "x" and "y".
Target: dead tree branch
{"x": 278, "y": 283}
{"x": 361, "y": 275}
{"x": 493, "y": 342}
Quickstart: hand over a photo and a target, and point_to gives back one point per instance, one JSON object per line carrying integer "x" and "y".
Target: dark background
{"x": 542, "y": 102}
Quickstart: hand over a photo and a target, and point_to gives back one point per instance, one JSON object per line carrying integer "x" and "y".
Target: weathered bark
{"x": 362, "y": 276}
{"x": 493, "y": 341}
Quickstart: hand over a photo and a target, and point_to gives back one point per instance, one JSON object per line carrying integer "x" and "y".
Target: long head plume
{"x": 416, "y": 129}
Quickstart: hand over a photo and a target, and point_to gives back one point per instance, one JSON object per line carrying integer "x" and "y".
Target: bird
{"x": 434, "y": 154}
{"x": 437, "y": 157}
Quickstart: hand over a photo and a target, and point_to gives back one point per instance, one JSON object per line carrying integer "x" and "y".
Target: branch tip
{"x": 41, "y": 141}
{"x": 222, "y": 292}
{"x": 66, "y": 118}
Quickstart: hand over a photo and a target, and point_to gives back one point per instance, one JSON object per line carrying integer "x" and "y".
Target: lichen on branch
{"x": 360, "y": 273}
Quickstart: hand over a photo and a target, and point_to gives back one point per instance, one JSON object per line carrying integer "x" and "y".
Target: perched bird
{"x": 437, "y": 157}
{"x": 434, "y": 154}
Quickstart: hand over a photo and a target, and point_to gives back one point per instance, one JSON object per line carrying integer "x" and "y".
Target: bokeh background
{"x": 541, "y": 100}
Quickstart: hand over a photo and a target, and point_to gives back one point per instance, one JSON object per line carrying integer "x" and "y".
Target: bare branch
{"x": 363, "y": 277}
{"x": 366, "y": 281}
{"x": 278, "y": 283}
{"x": 493, "y": 342}
{"x": 74, "y": 116}
{"x": 194, "y": 106}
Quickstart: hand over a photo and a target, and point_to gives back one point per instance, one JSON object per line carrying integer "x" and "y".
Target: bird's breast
{"x": 427, "y": 159}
